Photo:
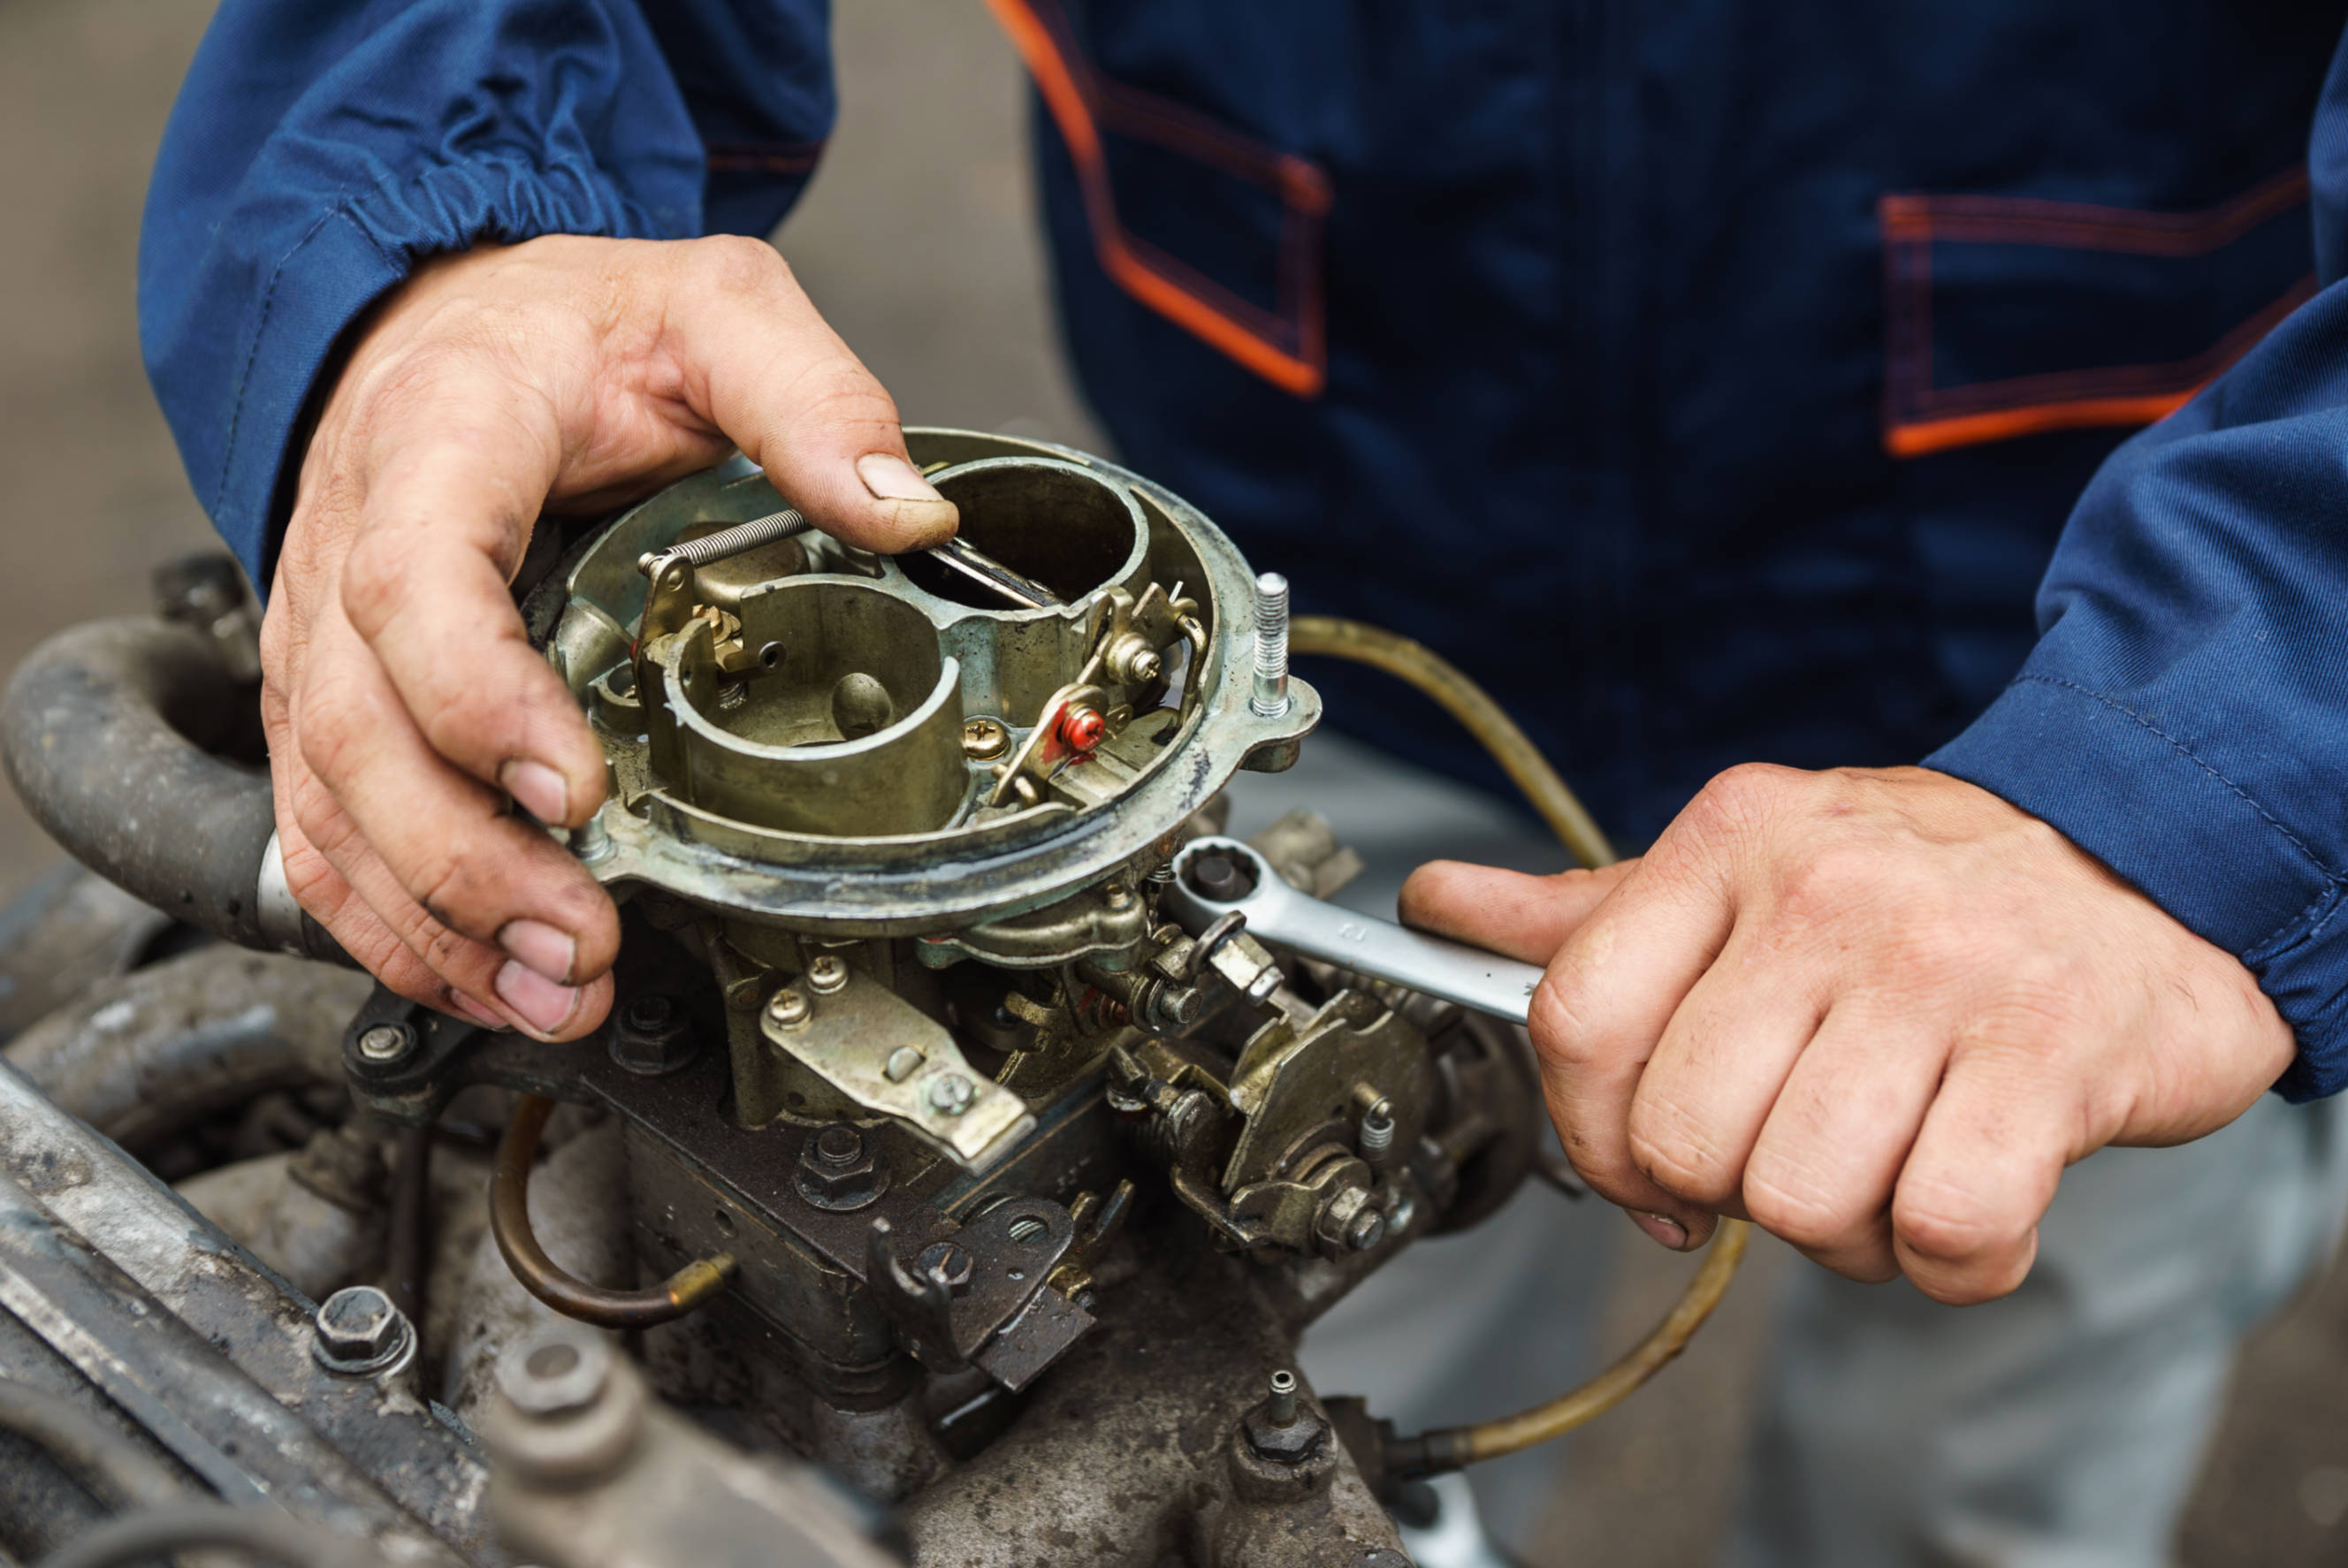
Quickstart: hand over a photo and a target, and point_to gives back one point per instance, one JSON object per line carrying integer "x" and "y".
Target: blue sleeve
{"x": 2183, "y": 716}
{"x": 320, "y": 148}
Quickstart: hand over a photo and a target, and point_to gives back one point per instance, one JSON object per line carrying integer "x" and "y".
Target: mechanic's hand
{"x": 1875, "y": 1012}
{"x": 403, "y": 703}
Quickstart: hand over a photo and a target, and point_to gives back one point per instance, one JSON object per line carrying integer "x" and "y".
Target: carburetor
{"x": 989, "y": 1126}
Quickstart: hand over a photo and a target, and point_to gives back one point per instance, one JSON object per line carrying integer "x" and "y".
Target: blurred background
{"x": 916, "y": 240}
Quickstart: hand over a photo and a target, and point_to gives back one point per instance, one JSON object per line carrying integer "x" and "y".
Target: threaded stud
{"x": 1269, "y": 699}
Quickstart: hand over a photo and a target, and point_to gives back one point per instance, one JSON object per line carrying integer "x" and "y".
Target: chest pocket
{"x": 1248, "y": 281}
{"x": 2007, "y": 316}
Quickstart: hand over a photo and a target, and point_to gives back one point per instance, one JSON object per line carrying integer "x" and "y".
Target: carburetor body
{"x": 989, "y": 1185}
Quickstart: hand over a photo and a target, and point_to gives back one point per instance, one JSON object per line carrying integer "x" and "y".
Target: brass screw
{"x": 983, "y": 740}
{"x": 788, "y": 1008}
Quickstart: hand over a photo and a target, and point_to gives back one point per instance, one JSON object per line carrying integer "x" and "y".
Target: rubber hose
{"x": 265, "y": 1531}
{"x": 1419, "y": 665}
{"x": 107, "y": 1464}
{"x": 1450, "y": 1448}
{"x": 111, "y": 733}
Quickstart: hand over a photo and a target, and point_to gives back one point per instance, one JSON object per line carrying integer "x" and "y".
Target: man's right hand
{"x": 403, "y": 704}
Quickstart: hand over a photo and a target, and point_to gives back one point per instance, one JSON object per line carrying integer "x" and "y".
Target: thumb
{"x": 1507, "y": 912}
{"x": 766, "y": 368}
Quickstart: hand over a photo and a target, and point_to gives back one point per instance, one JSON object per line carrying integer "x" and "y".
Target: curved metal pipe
{"x": 540, "y": 1274}
{"x": 114, "y": 733}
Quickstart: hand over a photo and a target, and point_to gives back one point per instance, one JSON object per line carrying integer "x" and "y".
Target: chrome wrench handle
{"x": 1280, "y": 915}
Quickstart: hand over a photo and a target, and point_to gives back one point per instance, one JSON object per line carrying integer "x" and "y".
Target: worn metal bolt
{"x": 555, "y": 1372}
{"x": 827, "y": 975}
{"x": 903, "y": 1062}
{"x": 840, "y": 1144}
{"x": 385, "y": 1043}
{"x": 1269, "y": 699}
{"x": 949, "y": 1263}
{"x": 1118, "y": 896}
{"x": 1282, "y": 1406}
{"x": 651, "y": 1011}
{"x": 951, "y": 1094}
{"x": 590, "y": 841}
{"x": 1366, "y": 1230}
{"x": 360, "y": 1331}
{"x": 983, "y": 740}
{"x": 788, "y": 1008}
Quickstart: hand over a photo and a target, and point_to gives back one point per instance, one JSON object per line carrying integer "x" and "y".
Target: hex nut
{"x": 555, "y": 1374}
{"x": 360, "y": 1333}
{"x": 652, "y": 1036}
{"x": 573, "y": 1413}
{"x": 382, "y": 1044}
{"x": 839, "y": 1172}
{"x": 1339, "y": 1225}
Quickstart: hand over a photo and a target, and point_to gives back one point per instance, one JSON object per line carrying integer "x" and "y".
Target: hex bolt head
{"x": 827, "y": 975}
{"x": 590, "y": 841}
{"x": 557, "y": 1371}
{"x": 951, "y": 1094}
{"x": 789, "y": 1008}
{"x": 384, "y": 1043}
{"x": 360, "y": 1332}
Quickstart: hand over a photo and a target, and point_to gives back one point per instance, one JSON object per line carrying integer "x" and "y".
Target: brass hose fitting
{"x": 540, "y": 1274}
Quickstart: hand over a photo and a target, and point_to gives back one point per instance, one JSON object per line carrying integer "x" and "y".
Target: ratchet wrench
{"x": 1215, "y": 877}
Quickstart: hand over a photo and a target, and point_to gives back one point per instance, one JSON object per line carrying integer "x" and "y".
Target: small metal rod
{"x": 540, "y": 1274}
{"x": 959, "y": 556}
{"x": 410, "y": 1238}
{"x": 772, "y": 529}
{"x": 114, "y": 1468}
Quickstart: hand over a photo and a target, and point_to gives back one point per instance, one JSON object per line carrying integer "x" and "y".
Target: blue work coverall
{"x": 1714, "y": 381}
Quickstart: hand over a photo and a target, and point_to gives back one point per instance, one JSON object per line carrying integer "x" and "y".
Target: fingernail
{"x": 1662, "y": 1227}
{"x": 476, "y": 1011}
{"x": 891, "y": 479}
{"x": 545, "y": 1005}
{"x": 540, "y": 790}
{"x": 550, "y": 952}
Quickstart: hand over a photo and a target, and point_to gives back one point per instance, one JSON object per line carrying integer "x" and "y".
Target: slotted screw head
{"x": 952, "y": 1094}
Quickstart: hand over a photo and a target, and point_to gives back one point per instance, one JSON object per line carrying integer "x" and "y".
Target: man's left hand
{"x": 1877, "y": 1013}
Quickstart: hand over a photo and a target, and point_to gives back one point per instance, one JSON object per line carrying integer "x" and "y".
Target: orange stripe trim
{"x": 2075, "y": 225}
{"x": 1929, "y": 435}
{"x": 1920, "y": 437}
{"x": 1066, "y": 96}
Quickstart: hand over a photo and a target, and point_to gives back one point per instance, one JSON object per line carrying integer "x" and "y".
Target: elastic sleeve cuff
{"x": 2142, "y": 802}
{"x": 344, "y": 262}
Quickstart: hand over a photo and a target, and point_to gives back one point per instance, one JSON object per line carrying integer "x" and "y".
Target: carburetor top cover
{"x": 806, "y": 735}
